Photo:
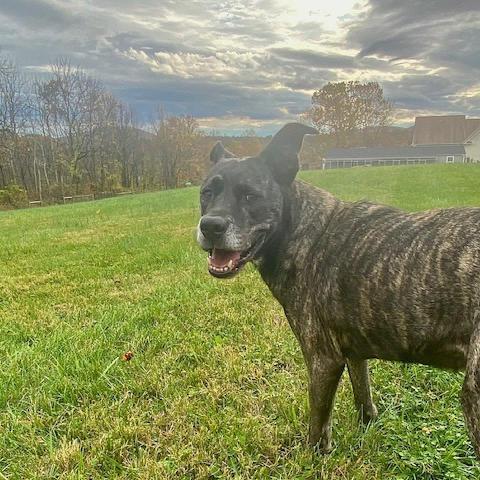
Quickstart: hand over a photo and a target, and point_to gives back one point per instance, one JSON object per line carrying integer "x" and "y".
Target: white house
{"x": 449, "y": 130}
{"x": 436, "y": 139}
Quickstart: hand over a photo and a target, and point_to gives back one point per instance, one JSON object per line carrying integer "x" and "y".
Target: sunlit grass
{"x": 216, "y": 387}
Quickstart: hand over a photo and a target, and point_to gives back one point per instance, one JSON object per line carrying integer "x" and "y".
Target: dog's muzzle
{"x": 228, "y": 250}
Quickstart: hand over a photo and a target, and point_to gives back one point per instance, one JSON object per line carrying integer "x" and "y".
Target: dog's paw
{"x": 367, "y": 413}
{"x": 322, "y": 445}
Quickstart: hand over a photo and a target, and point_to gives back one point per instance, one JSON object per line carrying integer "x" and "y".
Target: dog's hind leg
{"x": 360, "y": 378}
{"x": 324, "y": 376}
{"x": 471, "y": 390}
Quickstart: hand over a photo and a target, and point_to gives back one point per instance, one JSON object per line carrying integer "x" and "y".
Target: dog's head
{"x": 242, "y": 200}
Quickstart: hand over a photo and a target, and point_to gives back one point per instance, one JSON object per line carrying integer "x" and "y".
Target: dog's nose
{"x": 213, "y": 227}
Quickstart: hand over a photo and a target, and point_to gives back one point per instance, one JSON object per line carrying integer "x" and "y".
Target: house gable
{"x": 472, "y": 127}
{"x": 472, "y": 146}
{"x": 474, "y": 136}
{"x": 442, "y": 130}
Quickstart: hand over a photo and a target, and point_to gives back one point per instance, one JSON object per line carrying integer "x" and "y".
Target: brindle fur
{"x": 361, "y": 280}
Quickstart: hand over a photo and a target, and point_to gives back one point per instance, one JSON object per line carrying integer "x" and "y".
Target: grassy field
{"x": 216, "y": 387}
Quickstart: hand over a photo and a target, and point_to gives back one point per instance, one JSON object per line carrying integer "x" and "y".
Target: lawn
{"x": 216, "y": 387}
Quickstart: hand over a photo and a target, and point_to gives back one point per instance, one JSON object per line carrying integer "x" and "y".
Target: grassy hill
{"x": 216, "y": 387}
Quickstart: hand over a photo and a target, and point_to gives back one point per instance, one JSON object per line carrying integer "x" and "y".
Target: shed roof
{"x": 421, "y": 151}
{"x": 445, "y": 129}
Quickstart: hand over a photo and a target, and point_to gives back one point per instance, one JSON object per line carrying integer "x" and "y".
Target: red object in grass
{"x": 127, "y": 356}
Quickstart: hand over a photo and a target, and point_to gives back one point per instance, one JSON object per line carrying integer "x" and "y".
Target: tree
{"x": 130, "y": 143}
{"x": 14, "y": 114}
{"x": 63, "y": 112}
{"x": 176, "y": 147}
{"x": 345, "y": 109}
{"x": 79, "y": 117}
{"x": 66, "y": 134}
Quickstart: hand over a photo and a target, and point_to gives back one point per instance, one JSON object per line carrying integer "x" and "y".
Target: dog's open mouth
{"x": 227, "y": 263}
{"x": 224, "y": 263}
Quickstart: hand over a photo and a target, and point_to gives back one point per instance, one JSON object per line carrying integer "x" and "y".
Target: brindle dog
{"x": 356, "y": 280}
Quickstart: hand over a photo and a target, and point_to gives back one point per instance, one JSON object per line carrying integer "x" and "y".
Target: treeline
{"x": 66, "y": 134}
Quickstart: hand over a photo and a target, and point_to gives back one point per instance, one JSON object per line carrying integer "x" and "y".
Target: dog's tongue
{"x": 221, "y": 258}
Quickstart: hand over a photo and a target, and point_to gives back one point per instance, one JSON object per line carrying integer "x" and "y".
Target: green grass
{"x": 217, "y": 385}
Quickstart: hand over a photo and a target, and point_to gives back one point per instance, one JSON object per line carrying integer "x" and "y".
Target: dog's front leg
{"x": 324, "y": 375}
{"x": 471, "y": 390}
{"x": 358, "y": 372}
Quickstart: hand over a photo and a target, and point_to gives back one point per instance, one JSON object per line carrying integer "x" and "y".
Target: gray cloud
{"x": 439, "y": 35}
{"x": 411, "y": 27}
{"x": 313, "y": 59}
{"x": 38, "y": 14}
{"x": 205, "y": 99}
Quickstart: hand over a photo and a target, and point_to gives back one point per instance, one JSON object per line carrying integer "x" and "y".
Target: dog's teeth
{"x": 230, "y": 265}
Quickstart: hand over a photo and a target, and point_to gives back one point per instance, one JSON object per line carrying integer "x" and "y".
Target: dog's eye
{"x": 250, "y": 197}
{"x": 246, "y": 195}
{"x": 206, "y": 194}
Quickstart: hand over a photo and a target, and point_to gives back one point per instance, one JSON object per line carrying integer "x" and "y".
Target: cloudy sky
{"x": 254, "y": 63}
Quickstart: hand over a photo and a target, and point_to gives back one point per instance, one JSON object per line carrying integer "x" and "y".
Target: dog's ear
{"x": 281, "y": 154}
{"x": 219, "y": 152}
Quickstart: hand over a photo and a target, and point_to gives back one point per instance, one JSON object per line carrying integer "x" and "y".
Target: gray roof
{"x": 420, "y": 151}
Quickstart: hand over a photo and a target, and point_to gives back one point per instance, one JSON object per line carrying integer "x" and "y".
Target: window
{"x": 450, "y": 159}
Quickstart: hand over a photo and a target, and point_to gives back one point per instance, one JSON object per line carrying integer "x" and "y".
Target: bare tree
{"x": 127, "y": 147}
{"x": 176, "y": 145}
{"x": 69, "y": 101}
{"x": 67, "y": 134}
{"x": 14, "y": 113}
